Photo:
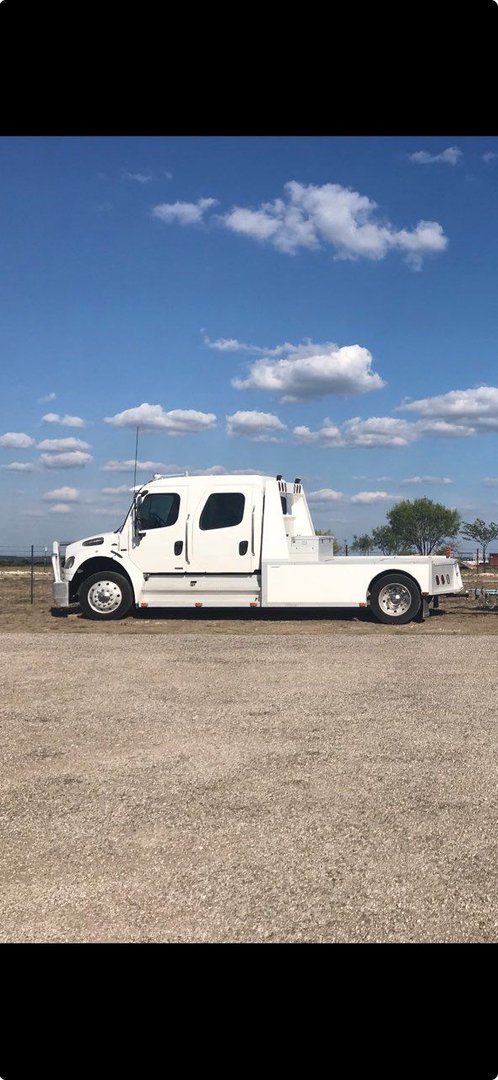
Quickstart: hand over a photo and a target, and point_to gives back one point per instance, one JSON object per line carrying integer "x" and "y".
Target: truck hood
{"x": 97, "y": 543}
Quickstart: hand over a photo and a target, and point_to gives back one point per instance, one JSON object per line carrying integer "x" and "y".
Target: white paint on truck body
{"x": 343, "y": 581}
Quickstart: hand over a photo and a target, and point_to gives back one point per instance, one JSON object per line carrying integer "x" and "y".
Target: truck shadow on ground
{"x": 271, "y": 615}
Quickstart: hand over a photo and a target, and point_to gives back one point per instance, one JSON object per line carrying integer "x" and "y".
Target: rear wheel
{"x": 395, "y": 598}
{"x": 106, "y": 596}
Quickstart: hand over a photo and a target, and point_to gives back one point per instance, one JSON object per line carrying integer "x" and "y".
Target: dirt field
{"x": 246, "y": 779}
{"x": 455, "y": 616}
{"x": 259, "y": 787}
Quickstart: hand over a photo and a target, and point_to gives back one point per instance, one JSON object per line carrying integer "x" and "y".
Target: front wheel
{"x": 105, "y": 596}
{"x": 395, "y": 599}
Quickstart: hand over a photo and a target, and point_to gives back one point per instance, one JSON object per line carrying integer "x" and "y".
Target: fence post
{"x": 32, "y": 572}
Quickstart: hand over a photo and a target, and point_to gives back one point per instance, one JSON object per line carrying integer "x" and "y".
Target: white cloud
{"x": 462, "y": 404}
{"x": 48, "y": 397}
{"x": 314, "y": 371}
{"x": 391, "y": 431}
{"x": 18, "y": 466}
{"x": 490, "y": 156}
{"x": 74, "y": 459}
{"x": 310, "y": 216}
{"x": 138, "y": 177}
{"x": 258, "y": 426}
{"x": 329, "y": 434}
{"x": 220, "y": 470}
{"x": 16, "y": 440}
{"x": 65, "y": 421}
{"x": 184, "y": 213}
{"x": 375, "y": 431}
{"x": 63, "y": 444}
{"x": 459, "y": 412}
{"x": 442, "y": 429}
{"x": 154, "y": 418}
{"x": 70, "y": 494}
{"x": 304, "y": 348}
{"x": 487, "y": 481}
{"x": 213, "y": 470}
{"x": 451, "y": 156}
{"x": 61, "y": 508}
{"x": 142, "y": 466}
{"x": 229, "y": 345}
{"x": 325, "y": 495}
{"x": 427, "y": 480}
{"x": 155, "y": 466}
{"x": 368, "y": 497}
{"x": 121, "y": 490}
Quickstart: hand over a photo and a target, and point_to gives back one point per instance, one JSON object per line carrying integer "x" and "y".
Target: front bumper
{"x": 60, "y": 593}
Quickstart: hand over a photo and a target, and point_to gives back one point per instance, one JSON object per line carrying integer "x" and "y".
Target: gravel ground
{"x": 248, "y": 787}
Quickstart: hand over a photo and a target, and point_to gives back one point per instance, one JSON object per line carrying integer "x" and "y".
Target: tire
{"x": 105, "y": 596}
{"x": 395, "y": 599}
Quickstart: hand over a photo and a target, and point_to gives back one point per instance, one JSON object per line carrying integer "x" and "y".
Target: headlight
{"x": 69, "y": 563}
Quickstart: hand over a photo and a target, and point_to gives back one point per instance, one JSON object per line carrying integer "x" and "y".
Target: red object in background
{"x": 493, "y": 560}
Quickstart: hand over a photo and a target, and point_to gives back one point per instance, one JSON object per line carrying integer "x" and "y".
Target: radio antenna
{"x": 135, "y": 470}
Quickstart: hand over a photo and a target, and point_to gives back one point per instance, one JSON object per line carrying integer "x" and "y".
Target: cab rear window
{"x": 223, "y": 510}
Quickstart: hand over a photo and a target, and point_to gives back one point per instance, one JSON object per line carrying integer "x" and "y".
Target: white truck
{"x": 235, "y": 542}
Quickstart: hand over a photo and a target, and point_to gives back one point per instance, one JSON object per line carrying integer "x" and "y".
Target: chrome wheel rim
{"x": 395, "y": 599}
{"x": 104, "y": 596}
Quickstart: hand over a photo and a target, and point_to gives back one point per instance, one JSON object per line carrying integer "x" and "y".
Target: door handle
{"x": 178, "y": 547}
{"x": 243, "y": 546}
{"x": 187, "y": 560}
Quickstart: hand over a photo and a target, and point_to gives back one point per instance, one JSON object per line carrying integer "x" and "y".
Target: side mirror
{"x": 137, "y": 522}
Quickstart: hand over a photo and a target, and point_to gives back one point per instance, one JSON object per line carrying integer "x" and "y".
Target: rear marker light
{"x": 197, "y": 605}
{"x": 252, "y": 604}
{"x": 362, "y": 605}
{"x": 144, "y": 605}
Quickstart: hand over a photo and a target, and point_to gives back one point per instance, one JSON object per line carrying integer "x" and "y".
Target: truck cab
{"x": 235, "y": 541}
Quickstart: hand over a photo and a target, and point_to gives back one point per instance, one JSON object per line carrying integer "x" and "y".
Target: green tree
{"x": 385, "y": 538}
{"x": 480, "y": 533}
{"x": 362, "y": 544}
{"x": 422, "y": 524}
{"x": 337, "y": 545}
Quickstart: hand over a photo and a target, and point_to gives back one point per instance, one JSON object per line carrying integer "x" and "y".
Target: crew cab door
{"x": 226, "y": 530}
{"x": 158, "y": 544}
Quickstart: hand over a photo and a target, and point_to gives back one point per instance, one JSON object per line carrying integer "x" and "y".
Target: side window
{"x": 223, "y": 510}
{"x": 158, "y": 510}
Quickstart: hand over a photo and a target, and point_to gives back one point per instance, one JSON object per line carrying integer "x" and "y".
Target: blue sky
{"x": 320, "y": 307}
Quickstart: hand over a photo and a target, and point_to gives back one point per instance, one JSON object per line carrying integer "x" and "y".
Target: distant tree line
{"x": 421, "y": 527}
